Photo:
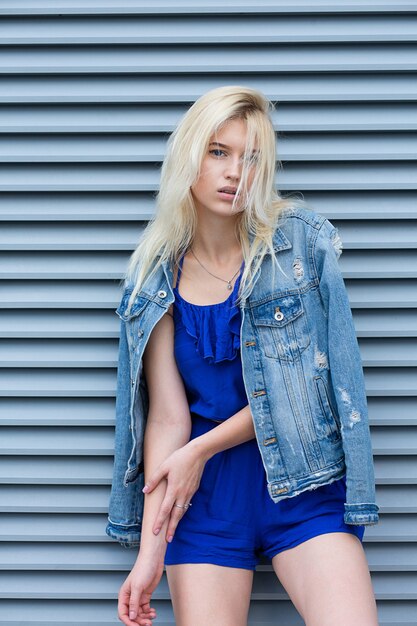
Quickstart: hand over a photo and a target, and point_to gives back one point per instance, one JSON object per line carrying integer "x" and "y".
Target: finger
{"x": 128, "y": 622}
{"x": 164, "y": 510}
{"x": 146, "y": 606}
{"x": 123, "y": 608}
{"x": 145, "y": 603}
{"x": 146, "y": 614}
{"x": 173, "y": 522}
{"x": 134, "y": 603}
{"x": 145, "y": 620}
{"x": 154, "y": 479}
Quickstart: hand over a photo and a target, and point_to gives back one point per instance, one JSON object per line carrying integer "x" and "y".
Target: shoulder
{"x": 301, "y": 217}
{"x": 308, "y": 228}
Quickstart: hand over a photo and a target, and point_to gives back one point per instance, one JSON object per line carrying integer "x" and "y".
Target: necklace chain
{"x": 229, "y": 282}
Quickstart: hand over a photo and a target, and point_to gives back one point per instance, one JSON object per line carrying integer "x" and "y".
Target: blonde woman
{"x": 240, "y": 395}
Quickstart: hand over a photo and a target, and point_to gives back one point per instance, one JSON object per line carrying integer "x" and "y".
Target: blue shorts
{"x": 233, "y": 520}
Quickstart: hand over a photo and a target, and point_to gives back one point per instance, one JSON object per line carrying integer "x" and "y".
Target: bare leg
{"x": 204, "y": 594}
{"x": 328, "y": 581}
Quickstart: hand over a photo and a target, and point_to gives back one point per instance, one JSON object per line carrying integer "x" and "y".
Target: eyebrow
{"x": 223, "y": 145}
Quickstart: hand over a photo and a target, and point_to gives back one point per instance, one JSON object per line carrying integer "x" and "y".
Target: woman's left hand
{"x": 183, "y": 470}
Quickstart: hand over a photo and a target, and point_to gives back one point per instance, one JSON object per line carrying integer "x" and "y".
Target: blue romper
{"x": 233, "y": 520}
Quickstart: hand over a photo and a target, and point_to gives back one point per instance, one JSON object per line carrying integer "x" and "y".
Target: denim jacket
{"x": 301, "y": 368}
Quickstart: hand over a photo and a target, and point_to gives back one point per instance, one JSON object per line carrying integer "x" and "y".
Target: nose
{"x": 233, "y": 169}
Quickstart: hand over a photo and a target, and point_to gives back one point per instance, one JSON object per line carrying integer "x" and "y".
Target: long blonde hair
{"x": 171, "y": 232}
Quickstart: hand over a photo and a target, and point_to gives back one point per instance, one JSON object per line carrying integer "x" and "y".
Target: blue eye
{"x": 252, "y": 159}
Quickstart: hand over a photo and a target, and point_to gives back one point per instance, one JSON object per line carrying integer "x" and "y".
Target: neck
{"x": 215, "y": 242}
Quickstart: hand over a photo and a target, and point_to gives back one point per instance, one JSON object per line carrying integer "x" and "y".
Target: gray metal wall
{"x": 89, "y": 93}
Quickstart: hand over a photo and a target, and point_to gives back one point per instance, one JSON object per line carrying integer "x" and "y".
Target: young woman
{"x": 248, "y": 417}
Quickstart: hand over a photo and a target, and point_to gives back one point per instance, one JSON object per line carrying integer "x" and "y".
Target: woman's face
{"x": 222, "y": 167}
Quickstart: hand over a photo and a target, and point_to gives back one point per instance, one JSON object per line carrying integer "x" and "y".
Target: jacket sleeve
{"x": 347, "y": 378}
{"x": 125, "y": 506}
{"x": 123, "y": 432}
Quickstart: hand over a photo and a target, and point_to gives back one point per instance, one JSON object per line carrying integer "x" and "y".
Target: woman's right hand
{"x": 135, "y": 593}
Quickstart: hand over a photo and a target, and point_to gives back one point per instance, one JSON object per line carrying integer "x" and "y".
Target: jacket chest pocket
{"x": 282, "y": 327}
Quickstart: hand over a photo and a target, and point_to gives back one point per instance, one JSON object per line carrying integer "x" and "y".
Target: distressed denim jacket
{"x": 302, "y": 373}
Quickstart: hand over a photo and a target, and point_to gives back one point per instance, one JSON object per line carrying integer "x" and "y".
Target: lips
{"x": 231, "y": 190}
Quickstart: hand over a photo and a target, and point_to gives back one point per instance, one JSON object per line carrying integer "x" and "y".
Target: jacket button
{"x": 162, "y": 293}
{"x": 278, "y": 314}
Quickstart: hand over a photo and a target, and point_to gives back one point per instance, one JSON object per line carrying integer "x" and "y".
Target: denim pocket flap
{"x": 278, "y": 311}
{"x": 138, "y": 305}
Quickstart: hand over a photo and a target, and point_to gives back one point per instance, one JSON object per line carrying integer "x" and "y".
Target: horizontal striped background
{"x": 89, "y": 92}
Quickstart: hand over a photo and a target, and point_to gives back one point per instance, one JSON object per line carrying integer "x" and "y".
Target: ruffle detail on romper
{"x": 215, "y": 328}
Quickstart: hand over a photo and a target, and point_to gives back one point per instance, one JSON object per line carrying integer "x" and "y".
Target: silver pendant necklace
{"x": 229, "y": 282}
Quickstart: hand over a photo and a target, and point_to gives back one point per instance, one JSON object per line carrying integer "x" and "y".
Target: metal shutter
{"x": 89, "y": 93}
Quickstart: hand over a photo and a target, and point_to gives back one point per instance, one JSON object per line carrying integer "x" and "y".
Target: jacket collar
{"x": 280, "y": 241}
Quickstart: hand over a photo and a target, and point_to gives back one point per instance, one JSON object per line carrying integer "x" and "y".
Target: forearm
{"x": 235, "y": 430}
{"x": 160, "y": 440}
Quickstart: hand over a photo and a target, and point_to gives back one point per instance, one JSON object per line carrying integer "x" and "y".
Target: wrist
{"x": 153, "y": 553}
{"x": 200, "y": 448}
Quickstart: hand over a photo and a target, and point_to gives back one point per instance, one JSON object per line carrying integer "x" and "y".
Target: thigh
{"x": 204, "y": 594}
{"x": 328, "y": 580}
